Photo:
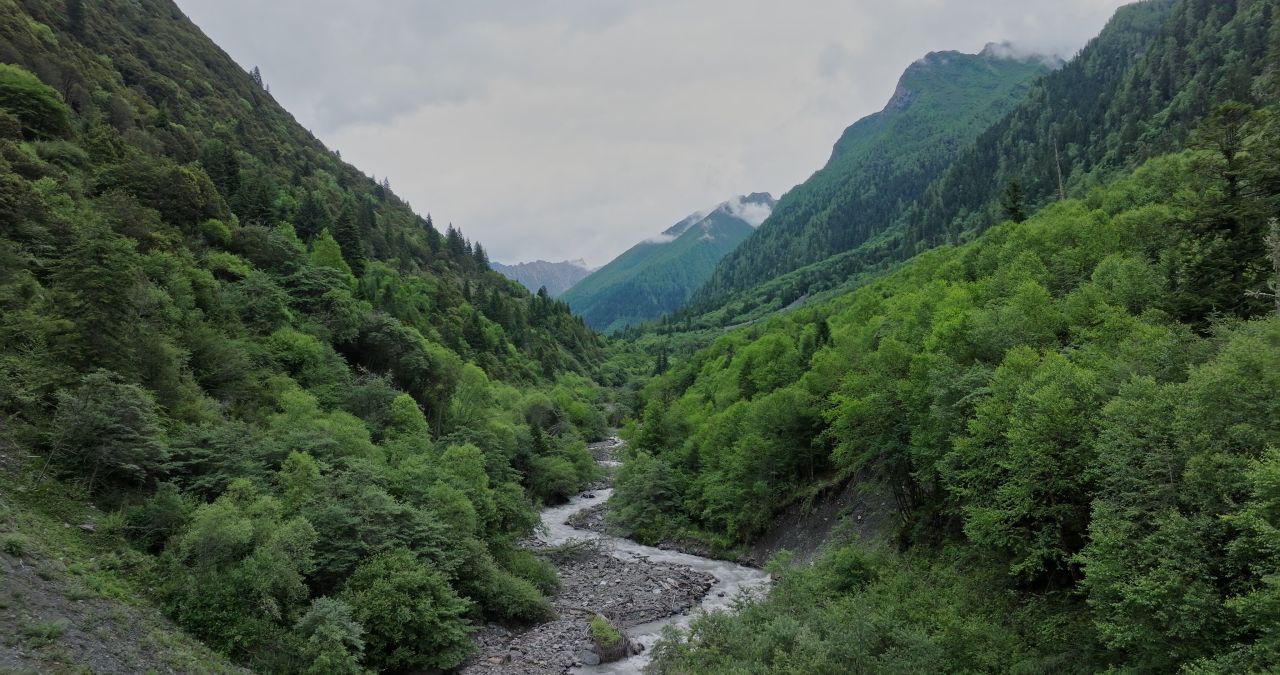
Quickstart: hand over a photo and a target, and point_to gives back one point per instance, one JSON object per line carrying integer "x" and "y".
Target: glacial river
{"x": 731, "y": 578}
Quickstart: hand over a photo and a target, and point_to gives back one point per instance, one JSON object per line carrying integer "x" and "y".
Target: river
{"x": 731, "y": 578}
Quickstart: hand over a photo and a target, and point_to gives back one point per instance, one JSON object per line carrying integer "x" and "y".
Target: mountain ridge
{"x": 556, "y": 277}
{"x": 657, "y": 275}
{"x": 942, "y": 101}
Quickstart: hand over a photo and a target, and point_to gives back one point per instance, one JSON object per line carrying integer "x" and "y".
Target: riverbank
{"x": 640, "y": 589}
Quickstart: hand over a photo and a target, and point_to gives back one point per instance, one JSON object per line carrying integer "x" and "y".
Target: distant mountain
{"x": 880, "y": 164}
{"x": 556, "y": 277}
{"x": 658, "y": 275}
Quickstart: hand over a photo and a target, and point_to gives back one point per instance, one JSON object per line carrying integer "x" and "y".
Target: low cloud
{"x": 569, "y": 128}
{"x": 752, "y": 212}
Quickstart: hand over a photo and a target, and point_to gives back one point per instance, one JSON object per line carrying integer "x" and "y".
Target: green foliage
{"x": 334, "y": 638}
{"x": 236, "y": 573}
{"x": 902, "y": 614}
{"x": 37, "y": 106}
{"x": 413, "y": 619}
{"x": 1047, "y": 401}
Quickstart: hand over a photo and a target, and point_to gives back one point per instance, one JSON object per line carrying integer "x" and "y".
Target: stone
{"x": 589, "y": 658}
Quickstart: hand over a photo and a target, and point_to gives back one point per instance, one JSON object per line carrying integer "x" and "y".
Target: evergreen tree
{"x": 1013, "y": 203}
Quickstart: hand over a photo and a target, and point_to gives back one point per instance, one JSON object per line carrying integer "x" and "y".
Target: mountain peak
{"x": 1010, "y": 51}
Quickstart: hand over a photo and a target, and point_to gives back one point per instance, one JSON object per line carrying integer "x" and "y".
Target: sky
{"x": 564, "y": 129}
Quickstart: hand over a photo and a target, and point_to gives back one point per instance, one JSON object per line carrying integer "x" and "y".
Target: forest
{"x": 299, "y": 404}
{"x": 1077, "y": 416}
{"x": 249, "y": 388}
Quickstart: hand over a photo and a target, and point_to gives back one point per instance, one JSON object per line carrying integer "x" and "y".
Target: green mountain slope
{"x": 1076, "y": 413}
{"x": 655, "y": 277}
{"x": 883, "y": 161}
{"x": 1134, "y": 91}
{"x": 1068, "y": 444}
{"x": 298, "y": 409}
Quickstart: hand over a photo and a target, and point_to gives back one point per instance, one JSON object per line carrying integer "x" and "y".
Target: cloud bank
{"x": 562, "y": 129}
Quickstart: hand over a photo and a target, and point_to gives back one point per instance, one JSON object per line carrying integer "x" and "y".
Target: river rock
{"x": 628, "y": 590}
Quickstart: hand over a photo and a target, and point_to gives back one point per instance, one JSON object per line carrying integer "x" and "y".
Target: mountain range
{"x": 882, "y": 162}
{"x": 657, "y": 275}
{"x": 556, "y": 277}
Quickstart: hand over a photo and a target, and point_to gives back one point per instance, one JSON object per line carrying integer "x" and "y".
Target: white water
{"x": 731, "y": 578}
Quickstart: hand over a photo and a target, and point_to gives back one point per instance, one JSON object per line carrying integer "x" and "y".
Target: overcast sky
{"x": 561, "y": 129}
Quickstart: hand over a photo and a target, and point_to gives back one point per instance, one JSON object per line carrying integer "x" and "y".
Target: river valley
{"x": 640, "y": 589}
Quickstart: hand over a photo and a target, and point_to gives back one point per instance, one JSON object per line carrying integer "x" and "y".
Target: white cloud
{"x": 569, "y": 128}
{"x": 752, "y": 212}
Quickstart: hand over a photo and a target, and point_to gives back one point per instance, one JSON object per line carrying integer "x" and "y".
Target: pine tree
{"x": 1013, "y": 203}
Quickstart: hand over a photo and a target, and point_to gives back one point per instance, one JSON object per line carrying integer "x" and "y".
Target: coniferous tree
{"x": 1013, "y": 203}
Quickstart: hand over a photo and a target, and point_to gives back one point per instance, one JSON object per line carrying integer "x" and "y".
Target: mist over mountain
{"x": 657, "y": 275}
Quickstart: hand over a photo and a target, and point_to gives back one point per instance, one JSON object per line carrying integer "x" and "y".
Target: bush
{"x": 531, "y": 568}
{"x": 554, "y": 479}
{"x": 13, "y": 545}
{"x": 414, "y": 618}
{"x": 334, "y": 642}
{"x": 36, "y": 105}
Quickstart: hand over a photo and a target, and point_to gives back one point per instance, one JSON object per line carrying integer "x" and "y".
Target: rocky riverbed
{"x": 627, "y": 592}
{"x": 638, "y": 588}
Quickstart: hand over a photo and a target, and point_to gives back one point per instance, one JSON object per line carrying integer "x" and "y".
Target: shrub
{"x": 37, "y": 106}
{"x": 414, "y": 618}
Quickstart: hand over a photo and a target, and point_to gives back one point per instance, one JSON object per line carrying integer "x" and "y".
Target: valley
{"x": 995, "y": 389}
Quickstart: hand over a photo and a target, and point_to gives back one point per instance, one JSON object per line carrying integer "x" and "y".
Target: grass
{"x": 44, "y": 633}
{"x": 604, "y": 635}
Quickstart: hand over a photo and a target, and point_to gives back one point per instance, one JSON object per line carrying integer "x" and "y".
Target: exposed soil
{"x": 855, "y": 510}
{"x": 49, "y": 624}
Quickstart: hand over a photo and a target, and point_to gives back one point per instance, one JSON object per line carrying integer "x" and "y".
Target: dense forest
{"x": 247, "y": 386}
{"x": 1077, "y": 415}
{"x": 1085, "y": 406}
{"x": 302, "y": 405}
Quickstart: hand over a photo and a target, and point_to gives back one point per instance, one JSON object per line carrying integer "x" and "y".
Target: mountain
{"x": 658, "y": 275}
{"x": 276, "y": 400}
{"x": 879, "y": 164}
{"x": 556, "y": 277}
{"x": 1040, "y": 437}
{"x": 1136, "y": 90}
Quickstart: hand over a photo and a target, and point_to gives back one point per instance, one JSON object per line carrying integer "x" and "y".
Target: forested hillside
{"x": 1097, "y": 118}
{"x": 314, "y": 423}
{"x": 1077, "y": 414}
{"x": 881, "y": 163}
{"x": 1133, "y": 92}
{"x": 657, "y": 276}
